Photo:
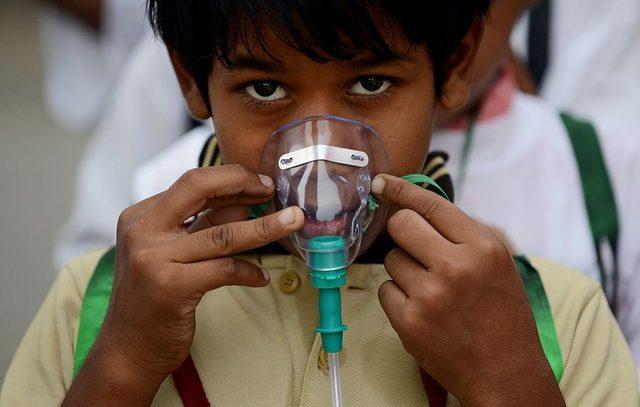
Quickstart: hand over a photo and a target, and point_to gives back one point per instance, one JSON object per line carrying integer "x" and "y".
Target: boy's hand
{"x": 163, "y": 270}
{"x": 458, "y": 303}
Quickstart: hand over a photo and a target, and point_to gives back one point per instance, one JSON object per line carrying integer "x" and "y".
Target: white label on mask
{"x": 323, "y": 152}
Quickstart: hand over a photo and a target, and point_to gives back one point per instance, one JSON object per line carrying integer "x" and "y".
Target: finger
{"x": 219, "y": 216}
{"x": 232, "y": 238}
{"x": 208, "y": 275}
{"x": 392, "y": 299}
{"x": 445, "y": 217}
{"x": 221, "y": 185}
{"x": 408, "y": 274}
{"x": 415, "y": 235}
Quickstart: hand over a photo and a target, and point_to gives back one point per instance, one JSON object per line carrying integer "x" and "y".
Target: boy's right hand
{"x": 163, "y": 269}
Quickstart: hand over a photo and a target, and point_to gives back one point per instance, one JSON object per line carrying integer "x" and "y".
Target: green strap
{"x": 466, "y": 153}
{"x": 414, "y": 179}
{"x": 423, "y": 179}
{"x": 94, "y": 307}
{"x": 597, "y": 192}
{"x": 542, "y": 314}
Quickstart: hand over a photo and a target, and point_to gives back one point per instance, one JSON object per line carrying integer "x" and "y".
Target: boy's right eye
{"x": 266, "y": 91}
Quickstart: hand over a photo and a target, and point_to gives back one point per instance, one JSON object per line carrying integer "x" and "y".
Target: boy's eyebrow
{"x": 254, "y": 63}
{"x": 375, "y": 61}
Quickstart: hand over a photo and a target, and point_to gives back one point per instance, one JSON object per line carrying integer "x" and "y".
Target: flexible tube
{"x": 334, "y": 377}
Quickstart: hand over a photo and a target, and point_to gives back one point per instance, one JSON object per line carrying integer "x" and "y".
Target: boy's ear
{"x": 195, "y": 103}
{"x": 457, "y": 84}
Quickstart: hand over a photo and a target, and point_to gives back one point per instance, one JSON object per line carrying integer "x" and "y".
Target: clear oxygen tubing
{"x": 334, "y": 378}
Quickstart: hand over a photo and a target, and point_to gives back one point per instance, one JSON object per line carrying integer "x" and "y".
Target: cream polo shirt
{"x": 258, "y": 346}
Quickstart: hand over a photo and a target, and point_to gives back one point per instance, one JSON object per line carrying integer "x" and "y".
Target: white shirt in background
{"x": 147, "y": 115}
{"x": 594, "y": 61}
{"x": 81, "y": 65}
{"x": 523, "y": 178}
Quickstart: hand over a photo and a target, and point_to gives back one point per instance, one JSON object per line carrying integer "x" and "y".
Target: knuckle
{"x": 240, "y": 172}
{"x": 409, "y": 318}
{"x": 166, "y": 283}
{"x": 400, "y": 221}
{"x": 393, "y": 258}
{"x": 229, "y": 266}
{"x": 141, "y": 259}
{"x": 221, "y": 238}
{"x": 263, "y": 228}
{"x": 459, "y": 267}
{"x": 191, "y": 178}
{"x": 125, "y": 218}
{"x": 493, "y": 249}
{"x": 429, "y": 208}
{"x": 436, "y": 298}
{"x": 401, "y": 191}
{"x": 128, "y": 234}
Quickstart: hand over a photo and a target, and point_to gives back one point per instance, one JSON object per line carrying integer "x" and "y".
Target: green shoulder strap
{"x": 542, "y": 314}
{"x": 598, "y": 196}
{"x": 96, "y": 302}
{"x": 94, "y": 307}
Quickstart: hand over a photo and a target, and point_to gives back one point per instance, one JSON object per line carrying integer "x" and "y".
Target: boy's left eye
{"x": 370, "y": 86}
{"x": 266, "y": 91}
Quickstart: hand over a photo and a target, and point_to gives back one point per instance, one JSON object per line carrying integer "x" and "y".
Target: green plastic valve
{"x": 328, "y": 262}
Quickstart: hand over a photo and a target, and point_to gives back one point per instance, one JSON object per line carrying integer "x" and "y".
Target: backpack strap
{"x": 599, "y": 199}
{"x": 94, "y": 307}
{"x": 542, "y": 314}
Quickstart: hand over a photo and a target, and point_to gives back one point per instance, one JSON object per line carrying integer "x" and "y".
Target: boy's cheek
{"x": 407, "y": 153}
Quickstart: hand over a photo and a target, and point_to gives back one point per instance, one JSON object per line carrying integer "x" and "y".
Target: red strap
{"x": 189, "y": 385}
{"x": 192, "y": 393}
{"x": 436, "y": 394}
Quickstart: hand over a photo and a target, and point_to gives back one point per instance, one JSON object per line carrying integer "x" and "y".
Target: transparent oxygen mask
{"x": 324, "y": 165}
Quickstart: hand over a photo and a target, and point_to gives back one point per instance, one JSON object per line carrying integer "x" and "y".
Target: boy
{"x": 455, "y": 301}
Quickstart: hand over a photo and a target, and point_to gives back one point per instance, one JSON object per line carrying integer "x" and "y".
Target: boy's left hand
{"x": 458, "y": 304}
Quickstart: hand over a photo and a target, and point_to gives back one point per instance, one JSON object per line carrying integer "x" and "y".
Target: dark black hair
{"x": 201, "y": 30}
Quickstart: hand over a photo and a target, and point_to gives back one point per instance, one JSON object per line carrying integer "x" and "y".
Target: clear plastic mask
{"x": 324, "y": 165}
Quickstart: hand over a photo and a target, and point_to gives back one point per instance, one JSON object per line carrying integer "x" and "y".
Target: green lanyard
{"x": 466, "y": 152}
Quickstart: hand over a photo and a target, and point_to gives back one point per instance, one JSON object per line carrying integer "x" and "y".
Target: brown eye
{"x": 370, "y": 86}
{"x": 266, "y": 91}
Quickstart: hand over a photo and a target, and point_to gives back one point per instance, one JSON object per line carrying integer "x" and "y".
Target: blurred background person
{"x": 584, "y": 56}
{"x": 85, "y": 45}
{"x": 146, "y": 115}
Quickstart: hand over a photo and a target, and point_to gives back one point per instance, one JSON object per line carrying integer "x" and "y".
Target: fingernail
{"x": 266, "y": 275}
{"x": 266, "y": 181}
{"x": 287, "y": 217}
{"x": 377, "y": 185}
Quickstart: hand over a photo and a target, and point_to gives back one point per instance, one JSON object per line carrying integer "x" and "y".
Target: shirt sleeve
{"x": 599, "y": 369}
{"x": 42, "y": 368}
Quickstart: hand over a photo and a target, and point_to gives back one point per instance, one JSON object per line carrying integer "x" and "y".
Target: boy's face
{"x": 395, "y": 95}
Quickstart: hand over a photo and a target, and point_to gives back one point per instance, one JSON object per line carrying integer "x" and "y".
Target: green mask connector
{"x": 328, "y": 262}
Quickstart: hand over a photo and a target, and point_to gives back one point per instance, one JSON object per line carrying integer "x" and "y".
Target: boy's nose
{"x": 317, "y": 102}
